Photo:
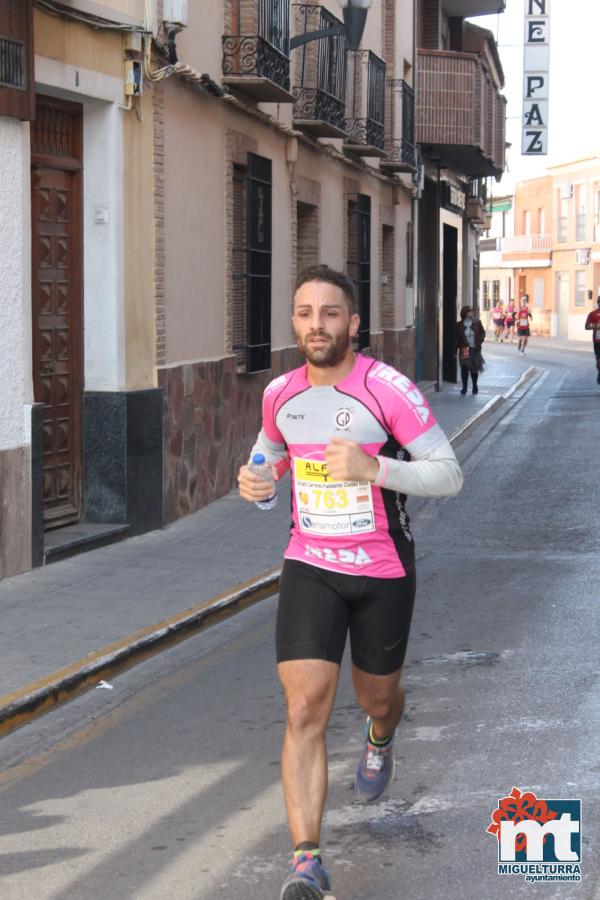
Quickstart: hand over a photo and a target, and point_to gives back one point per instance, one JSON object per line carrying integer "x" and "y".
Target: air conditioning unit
{"x": 175, "y": 13}
{"x": 566, "y": 191}
{"x": 582, "y": 257}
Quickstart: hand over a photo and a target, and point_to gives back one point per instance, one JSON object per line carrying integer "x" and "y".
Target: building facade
{"x": 80, "y": 414}
{"x": 168, "y": 169}
{"x": 553, "y": 254}
{"x": 460, "y": 129}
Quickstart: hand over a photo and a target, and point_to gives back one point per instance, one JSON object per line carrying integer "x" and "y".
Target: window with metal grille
{"x": 251, "y": 254}
{"x": 409, "y": 253}
{"x": 486, "y": 295}
{"x": 359, "y": 262}
{"x": 13, "y": 70}
{"x": 495, "y": 291}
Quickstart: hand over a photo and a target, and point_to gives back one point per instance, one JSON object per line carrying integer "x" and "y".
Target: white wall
{"x": 16, "y": 392}
{"x": 104, "y": 320}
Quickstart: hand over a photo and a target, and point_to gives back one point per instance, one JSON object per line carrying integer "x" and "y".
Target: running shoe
{"x": 308, "y": 879}
{"x": 375, "y": 769}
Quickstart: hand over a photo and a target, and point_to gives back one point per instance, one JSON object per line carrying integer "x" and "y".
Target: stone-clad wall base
{"x": 400, "y": 350}
{"x": 212, "y": 417}
{"x": 123, "y": 458}
{"x": 15, "y": 511}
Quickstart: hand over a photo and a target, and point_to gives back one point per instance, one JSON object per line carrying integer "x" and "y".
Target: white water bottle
{"x": 263, "y": 469}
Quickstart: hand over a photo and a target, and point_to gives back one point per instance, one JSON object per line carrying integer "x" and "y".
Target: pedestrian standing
{"x": 359, "y": 437}
{"x": 509, "y": 321}
{"x": 523, "y": 317}
{"x": 498, "y": 321}
{"x": 470, "y": 335}
{"x": 592, "y": 323}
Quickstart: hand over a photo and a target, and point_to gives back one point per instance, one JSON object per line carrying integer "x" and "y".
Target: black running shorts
{"x": 317, "y": 608}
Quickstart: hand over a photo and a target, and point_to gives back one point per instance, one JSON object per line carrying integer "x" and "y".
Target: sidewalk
{"x": 61, "y": 619}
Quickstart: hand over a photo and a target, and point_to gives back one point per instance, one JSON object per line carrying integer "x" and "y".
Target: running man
{"x": 359, "y": 437}
{"x": 509, "y": 321}
{"x": 523, "y": 317}
{"x": 592, "y": 323}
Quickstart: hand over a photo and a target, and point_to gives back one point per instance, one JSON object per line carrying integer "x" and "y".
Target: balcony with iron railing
{"x": 400, "y": 140}
{"x": 365, "y": 103}
{"x": 460, "y": 113}
{"x": 256, "y": 54}
{"x": 477, "y": 209}
{"x": 319, "y": 73}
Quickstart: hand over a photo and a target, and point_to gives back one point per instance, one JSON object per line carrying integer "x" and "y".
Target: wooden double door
{"x": 57, "y": 297}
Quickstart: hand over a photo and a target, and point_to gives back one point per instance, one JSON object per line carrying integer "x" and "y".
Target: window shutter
{"x": 258, "y": 265}
{"x": 17, "y": 94}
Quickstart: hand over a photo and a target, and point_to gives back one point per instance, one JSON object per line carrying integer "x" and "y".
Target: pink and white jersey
{"x": 352, "y": 527}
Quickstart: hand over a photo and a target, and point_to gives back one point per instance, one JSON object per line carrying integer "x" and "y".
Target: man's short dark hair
{"x": 329, "y": 276}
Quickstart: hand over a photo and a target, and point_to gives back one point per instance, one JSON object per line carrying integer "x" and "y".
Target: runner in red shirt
{"x": 523, "y": 317}
{"x": 592, "y": 323}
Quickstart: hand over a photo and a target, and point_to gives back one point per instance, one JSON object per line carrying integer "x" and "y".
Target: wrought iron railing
{"x": 259, "y": 41}
{"x": 478, "y": 189}
{"x": 365, "y": 101}
{"x": 400, "y": 143}
{"x": 320, "y": 68}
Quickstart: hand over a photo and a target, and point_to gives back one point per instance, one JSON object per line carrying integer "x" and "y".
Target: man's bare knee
{"x": 307, "y": 711}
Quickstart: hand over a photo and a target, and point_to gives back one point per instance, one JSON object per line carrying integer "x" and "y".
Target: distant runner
{"x": 523, "y": 317}
{"x": 509, "y": 321}
{"x": 359, "y": 437}
{"x": 498, "y": 320}
{"x": 592, "y": 323}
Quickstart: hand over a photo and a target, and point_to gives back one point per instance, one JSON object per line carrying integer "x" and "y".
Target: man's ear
{"x": 354, "y": 324}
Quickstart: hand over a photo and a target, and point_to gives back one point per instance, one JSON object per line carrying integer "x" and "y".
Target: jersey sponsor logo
{"x": 404, "y": 385}
{"x": 349, "y": 556}
{"x": 343, "y": 419}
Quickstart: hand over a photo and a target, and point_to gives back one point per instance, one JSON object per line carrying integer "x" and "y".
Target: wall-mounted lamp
{"x": 355, "y": 17}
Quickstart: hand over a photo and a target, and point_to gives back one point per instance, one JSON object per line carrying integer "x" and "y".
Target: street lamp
{"x": 355, "y": 16}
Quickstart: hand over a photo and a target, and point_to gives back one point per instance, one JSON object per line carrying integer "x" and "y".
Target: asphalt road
{"x": 167, "y": 786}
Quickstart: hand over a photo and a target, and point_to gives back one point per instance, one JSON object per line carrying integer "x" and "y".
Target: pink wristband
{"x": 383, "y": 470}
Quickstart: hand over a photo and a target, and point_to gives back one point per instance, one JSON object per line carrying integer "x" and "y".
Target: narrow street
{"x": 167, "y": 786}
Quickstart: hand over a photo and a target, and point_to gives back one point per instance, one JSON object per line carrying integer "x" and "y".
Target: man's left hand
{"x": 346, "y": 461}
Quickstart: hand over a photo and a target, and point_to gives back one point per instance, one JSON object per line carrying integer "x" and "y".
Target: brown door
{"x": 57, "y": 225}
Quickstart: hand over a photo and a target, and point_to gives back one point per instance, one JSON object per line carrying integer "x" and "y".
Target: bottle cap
{"x": 258, "y": 458}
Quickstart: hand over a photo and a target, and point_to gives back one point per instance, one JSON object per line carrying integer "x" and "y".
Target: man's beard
{"x": 329, "y": 355}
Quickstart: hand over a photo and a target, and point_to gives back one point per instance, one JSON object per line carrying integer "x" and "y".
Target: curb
{"x": 39, "y": 697}
{"x": 467, "y": 428}
{"x": 36, "y": 698}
